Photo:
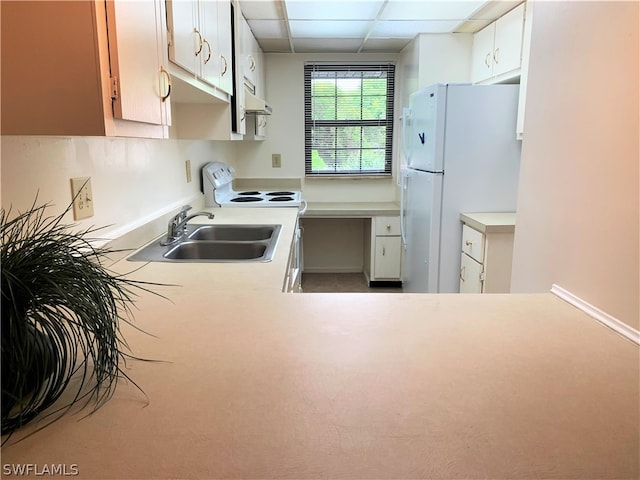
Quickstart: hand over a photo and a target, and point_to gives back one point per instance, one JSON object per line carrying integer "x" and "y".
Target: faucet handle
{"x": 182, "y": 214}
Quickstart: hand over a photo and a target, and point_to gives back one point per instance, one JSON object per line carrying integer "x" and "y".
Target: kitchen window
{"x": 348, "y": 113}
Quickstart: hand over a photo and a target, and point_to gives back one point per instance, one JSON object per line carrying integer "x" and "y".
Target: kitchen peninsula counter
{"x": 255, "y": 383}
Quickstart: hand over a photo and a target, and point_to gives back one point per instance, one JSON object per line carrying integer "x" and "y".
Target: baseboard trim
{"x": 332, "y": 269}
{"x": 613, "y": 323}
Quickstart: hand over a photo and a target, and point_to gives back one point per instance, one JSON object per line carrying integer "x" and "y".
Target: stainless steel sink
{"x": 198, "y": 250}
{"x": 233, "y": 232}
{"x": 215, "y": 243}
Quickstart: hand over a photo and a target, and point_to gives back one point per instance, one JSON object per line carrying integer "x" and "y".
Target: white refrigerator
{"x": 462, "y": 156}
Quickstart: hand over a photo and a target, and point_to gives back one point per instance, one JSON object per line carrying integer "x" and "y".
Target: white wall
{"x": 133, "y": 180}
{"x": 285, "y": 92}
{"x": 578, "y": 209}
{"x": 435, "y": 58}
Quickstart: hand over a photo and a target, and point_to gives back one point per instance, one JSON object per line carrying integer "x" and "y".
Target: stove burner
{"x": 281, "y": 199}
{"x": 246, "y": 199}
{"x": 280, "y": 194}
{"x": 248, "y": 193}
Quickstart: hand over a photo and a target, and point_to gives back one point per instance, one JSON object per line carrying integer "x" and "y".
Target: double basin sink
{"x": 215, "y": 243}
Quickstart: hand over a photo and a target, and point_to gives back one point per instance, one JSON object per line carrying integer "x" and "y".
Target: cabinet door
{"x": 185, "y": 41}
{"x": 482, "y": 56}
{"x": 224, "y": 57}
{"x": 249, "y": 48}
{"x": 208, "y": 56}
{"x": 507, "y": 50}
{"x": 141, "y": 88}
{"x": 387, "y": 258}
{"x": 470, "y": 275}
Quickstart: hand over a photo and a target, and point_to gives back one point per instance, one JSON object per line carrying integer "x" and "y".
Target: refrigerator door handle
{"x": 406, "y": 117}
{"x": 403, "y": 188}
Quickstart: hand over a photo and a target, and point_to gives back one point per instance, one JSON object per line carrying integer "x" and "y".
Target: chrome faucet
{"x": 178, "y": 224}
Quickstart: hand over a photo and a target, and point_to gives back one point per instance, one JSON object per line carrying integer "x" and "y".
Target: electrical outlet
{"x": 82, "y": 197}
{"x": 187, "y": 165}
{"x": 276, "y": 160}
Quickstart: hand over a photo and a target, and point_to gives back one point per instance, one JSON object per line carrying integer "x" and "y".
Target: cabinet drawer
{"x": 387, "y": 226}
{"x": 473, "y": 243}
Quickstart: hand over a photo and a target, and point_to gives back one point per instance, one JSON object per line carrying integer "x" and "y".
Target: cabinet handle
{"x": 252, "y": 63}
{"x": 462, "y": 272}
{"x": 383, "y": 251}
{"x": 195, "y": 30}
{"x": 208, "y": 50}
{"x": 162, "y": 70}
{"x": 388, "y": 227}
{"x": 224, "y": 70}
{"x": 496, "y": 55}
{"x": 468, "y": 243}
{"x": 486, "y": 60}
{"x": 244, "y": 113}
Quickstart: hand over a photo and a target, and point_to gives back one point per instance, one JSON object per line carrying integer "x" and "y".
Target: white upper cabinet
{"x": 497, "y": 48}
{"x": 482, "y": 58}
{"x": 136, "y": 98}
{"x": 251, "y": 59}
{"x": 507, "y": 51}
{"x": 100, "y": 72}
{"x": 251, "y": 55}
{"x": 200, "y": 43}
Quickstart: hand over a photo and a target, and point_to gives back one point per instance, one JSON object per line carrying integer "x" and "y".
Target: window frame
{"x": 387, "y": 122}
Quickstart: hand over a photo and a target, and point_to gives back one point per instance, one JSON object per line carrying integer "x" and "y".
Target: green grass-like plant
{"x": 61, "y": 313}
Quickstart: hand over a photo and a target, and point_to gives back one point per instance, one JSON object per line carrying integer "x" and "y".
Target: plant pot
{"x": 27, "y": 365}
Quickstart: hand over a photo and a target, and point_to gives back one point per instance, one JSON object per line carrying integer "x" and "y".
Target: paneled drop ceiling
{"x": 362, "y": 26}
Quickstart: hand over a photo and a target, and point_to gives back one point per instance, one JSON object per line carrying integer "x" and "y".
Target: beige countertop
{"x": 255, "y": 383}
{"x": 351, "y": 209}
{"x": 490, "y": 221}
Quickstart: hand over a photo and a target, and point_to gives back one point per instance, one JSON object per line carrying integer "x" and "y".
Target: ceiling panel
{"x": 429, "y": 10}
{"x": 268, "y": 28}
{"x": 275, "y": 45}
{"x": 329, "y": 28}
{"x": 384, "y": 45}
{"x": 333, "y": 45}
{"x": 333, "y": 9}
{"x": 410, "y": 28}
{"x": 362, "y": 25}
{"x": 262, "y": 9}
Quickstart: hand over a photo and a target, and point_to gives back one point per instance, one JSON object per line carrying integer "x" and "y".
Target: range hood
{"x": 256, "y": 105}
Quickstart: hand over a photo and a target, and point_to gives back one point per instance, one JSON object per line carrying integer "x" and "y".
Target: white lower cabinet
{"x": 387, "y": 258}
{"x": 385, "y": 252}
{"x": 471, "y": 275}
{"x": 487, "y": 251}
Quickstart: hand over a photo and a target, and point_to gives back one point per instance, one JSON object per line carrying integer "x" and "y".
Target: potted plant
{"x": 61, "y": 313}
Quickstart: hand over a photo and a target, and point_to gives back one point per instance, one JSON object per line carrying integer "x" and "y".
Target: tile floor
{"x": 340, "y": 282}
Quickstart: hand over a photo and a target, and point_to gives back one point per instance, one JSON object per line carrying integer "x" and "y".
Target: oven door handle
{"x": 304, "y": 208}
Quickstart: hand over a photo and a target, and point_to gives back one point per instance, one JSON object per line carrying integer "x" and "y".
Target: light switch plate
{"x": 187, "y": 165}
{"x": 82, "y": 198}
{"x": 276, "y": 160}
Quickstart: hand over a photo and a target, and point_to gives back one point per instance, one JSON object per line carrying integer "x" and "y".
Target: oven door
{"x": 294, "y": 273}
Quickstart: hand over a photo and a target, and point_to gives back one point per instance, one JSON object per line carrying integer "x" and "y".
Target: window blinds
{"x": 348, "y": 118}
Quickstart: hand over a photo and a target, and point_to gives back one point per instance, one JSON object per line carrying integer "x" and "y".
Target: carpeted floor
{"x": 341, "y": 282}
